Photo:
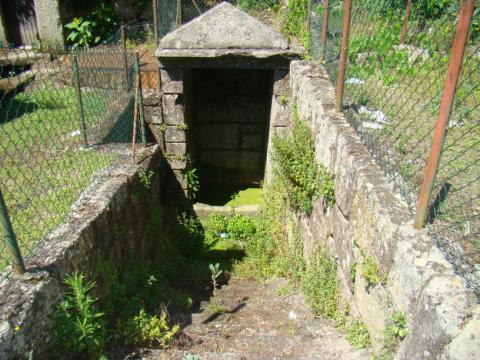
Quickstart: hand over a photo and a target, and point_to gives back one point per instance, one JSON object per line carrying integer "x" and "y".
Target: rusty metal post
{"x": 179, "y": 13}
{"x": 10, "y": 238}
{"x": 139, "y": 97}
{"x": 78, "y": 91}
{"x": 343, "y": 54}
{"x": 123, "y": 36}
{"x": 453, "y": 73}
{"x": 309, "y": 16}
{"x": 155, "y": 20}
{"x": 403, "y": 36}
{"x": 326, "y": 9}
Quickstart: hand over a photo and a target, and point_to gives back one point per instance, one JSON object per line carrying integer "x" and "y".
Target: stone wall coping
{"x": 219, "y": 53}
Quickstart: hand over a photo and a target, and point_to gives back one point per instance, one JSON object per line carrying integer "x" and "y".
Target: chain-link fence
{"x": 398, "y": 55}
{"x": 64, "y": 115}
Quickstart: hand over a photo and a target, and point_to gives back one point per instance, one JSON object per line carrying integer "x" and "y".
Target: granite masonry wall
{"x": 108, "y": 221}
{"x": 370, "y": 220}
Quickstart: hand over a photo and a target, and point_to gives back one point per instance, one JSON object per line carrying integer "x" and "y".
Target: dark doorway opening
{"x": 20, "y": 21}
{"x": 230, "y": 113}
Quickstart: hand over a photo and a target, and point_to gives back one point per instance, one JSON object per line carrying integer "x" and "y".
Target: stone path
{"x": 257, "y": 324}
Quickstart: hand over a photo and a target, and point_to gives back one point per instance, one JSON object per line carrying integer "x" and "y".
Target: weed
{"x": 320, "y": 284}
{"x": 78, "y": 325}
{"x": 269, "y": 252}
{"x": 295, "y": 22}
{"x": 191, "y": 236}
{"x": 183, "y": 127}
{"x": 357, "y": 333}
{"x": 144, "y": 182}
{"x": 147, "y": 330}
{"x": 286, "y": 289}
{"x": 216, "y": 273}
{"x": 190, "y": 357}
{"x": 299, "y": 171}
{"x": 216, "y": 308}
{"x": 256, "y": 4}
{"x": 353, "y": 271}
{"x": 370, "y": 271}
{"x": 395, "y": 331}
{"x": 193, "y": 183}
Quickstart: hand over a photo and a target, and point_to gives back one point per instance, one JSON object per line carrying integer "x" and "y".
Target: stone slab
{"x": 224, "y": 27}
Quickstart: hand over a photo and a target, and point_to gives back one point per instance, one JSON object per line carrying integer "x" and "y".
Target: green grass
{"x": 43, "y": 168}
{"x": 250, "y": 196}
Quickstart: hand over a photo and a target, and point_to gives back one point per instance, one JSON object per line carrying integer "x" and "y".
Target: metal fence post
{"x": 309, "y": 16}
{"x": 123, "y": 35}
{"x": 326, "y": 9}
{"x": 451, "y": 82}
{"x": 140, "y": 99}
{"x": 155, "y": 20}
{"x": 78, "y": 90}
{"x": 343, "y": 54}
{"x": 403, "y": 36}
{"x": 10, "y": 238}
{"x": 179, "y": 13}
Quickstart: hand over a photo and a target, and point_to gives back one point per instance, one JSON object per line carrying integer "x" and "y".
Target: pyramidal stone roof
{"x": 223, "y": 30}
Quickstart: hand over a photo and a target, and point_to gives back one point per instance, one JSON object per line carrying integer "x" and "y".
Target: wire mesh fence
{"x": 64, "y": 115}
{"x": 395, "y": 77}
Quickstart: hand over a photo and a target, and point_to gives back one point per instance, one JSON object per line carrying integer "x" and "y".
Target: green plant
{"x": 241, "y": 228}
{"x": 370, "y": 271}
{"x": 78, "y": 325}
{"x": 190, "y": 357}
{"x": 191, "y": 233}
{"x": 353, "y": 271}
{"x": 357, "y": 333}
{"x": 147, "y": 330}
{"x": 286, "y": 289}
{"x": 298, "y": 169}
{"x": 98, "y": 25}
{"x": 216, "y": 273}
{"x": 216, "y": 308}
{"x": 395, "y": 331}
{"x": 81, "y": 33}
{"x": 144, "y": 181}
{"x": 295, "y": 22}
{"x": 256, "y": 4}
{"x": 320, "y": 284}
{"x": 193, "y": 183}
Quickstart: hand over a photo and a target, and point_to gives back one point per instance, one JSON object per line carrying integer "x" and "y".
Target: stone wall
{"x": 49, "y": 21}
{"x": 3, "y": 33}
{"x": 370, "y": 220}
{"x": 108, "y": 221}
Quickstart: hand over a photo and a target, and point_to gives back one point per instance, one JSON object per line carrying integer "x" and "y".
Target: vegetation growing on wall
{"x": 298, "y": 169}
{"x": 256, "y": 4}
{"x": 294, "y": 21}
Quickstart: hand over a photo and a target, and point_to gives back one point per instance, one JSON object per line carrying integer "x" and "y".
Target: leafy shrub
{"x": 357, "y": 334}
{"x": 256, "y": 4}
{"x": 269, "y": 252}
{"x": 320, "y": 284}
{"x": 191, "y": 236}
{"x": 295, "y": 22}
{"x": 304, "y": 178}
{"x": 78, "y": 325}
{"x": 147, "y": 330}
{"x": 90, "y": 30}
{"x": 395, "y": 331}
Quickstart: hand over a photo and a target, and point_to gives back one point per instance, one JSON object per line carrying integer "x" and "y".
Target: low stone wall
{"x": 370, "y": 220}
{"x": 108, "y": 221}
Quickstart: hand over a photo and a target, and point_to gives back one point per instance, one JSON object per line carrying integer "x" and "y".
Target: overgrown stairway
{"x": 249, "y": 320}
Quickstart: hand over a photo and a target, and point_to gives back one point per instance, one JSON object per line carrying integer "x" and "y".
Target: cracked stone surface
{"x": 258, "y": 324}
